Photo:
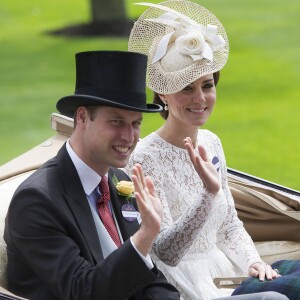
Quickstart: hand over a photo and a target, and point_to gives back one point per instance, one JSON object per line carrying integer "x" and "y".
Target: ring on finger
{"x": 276, "y": 270}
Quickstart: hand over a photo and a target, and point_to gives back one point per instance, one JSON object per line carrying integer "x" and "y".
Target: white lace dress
{"x": 201, "y": 235}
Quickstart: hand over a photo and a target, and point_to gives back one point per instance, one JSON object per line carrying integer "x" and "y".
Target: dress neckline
{"x": 171, "y": 145}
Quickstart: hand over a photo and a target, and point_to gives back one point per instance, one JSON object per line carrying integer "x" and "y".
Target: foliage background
{"x": 257, "y": 113}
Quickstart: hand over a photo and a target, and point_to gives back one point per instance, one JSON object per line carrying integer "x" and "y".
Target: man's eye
{"x": 116, "y": 121}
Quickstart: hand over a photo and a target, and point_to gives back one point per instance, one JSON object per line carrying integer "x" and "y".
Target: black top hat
{"x": 109, "y": 78}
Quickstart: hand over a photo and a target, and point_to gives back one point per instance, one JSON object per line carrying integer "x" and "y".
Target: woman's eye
{"x": 187, "y": 88}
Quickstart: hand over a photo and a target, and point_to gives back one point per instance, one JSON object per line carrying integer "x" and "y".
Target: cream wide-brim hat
{"x": 174, "y": 71}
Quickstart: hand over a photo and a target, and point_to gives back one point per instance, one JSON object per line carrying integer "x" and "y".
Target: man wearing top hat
{"x": 57, "y": 241}
{"x": 70, "y": 234}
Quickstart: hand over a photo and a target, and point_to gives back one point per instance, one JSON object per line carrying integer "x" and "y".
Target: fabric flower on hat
{"x": 215, "y": 41}
{"x": 193, "y": 44}
{"x": 191, "y": 38}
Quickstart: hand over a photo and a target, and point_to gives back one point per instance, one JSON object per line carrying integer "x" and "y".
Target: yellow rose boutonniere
{"x": 124, "y": 188}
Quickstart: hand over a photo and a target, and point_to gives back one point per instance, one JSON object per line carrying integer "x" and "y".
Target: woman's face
{"x": 193, "y": 105}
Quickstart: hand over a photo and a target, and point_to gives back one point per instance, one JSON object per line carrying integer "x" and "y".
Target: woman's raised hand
{"x": 204, "y": 167}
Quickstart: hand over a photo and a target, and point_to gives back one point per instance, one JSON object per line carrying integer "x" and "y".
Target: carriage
{"x": 270, "y": 212}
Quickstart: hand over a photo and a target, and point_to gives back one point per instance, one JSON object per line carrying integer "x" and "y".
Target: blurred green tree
{"x": 108, "y": 18}
{"x": 108, "y": 11}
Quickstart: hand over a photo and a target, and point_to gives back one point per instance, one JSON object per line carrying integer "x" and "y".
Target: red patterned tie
{"x": 104, "y": 211}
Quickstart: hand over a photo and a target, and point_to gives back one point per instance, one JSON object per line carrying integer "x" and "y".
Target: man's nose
{"x": 127, "y": 133}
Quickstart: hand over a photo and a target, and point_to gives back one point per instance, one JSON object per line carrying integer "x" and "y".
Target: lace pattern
{"x": 194, "y": 222}
{"x": 171, "y": 244}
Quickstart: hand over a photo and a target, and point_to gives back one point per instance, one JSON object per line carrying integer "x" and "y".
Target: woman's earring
{"x": 166, "y": 106}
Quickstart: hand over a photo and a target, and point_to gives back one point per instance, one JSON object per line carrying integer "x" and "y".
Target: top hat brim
{"x": 68, "y": 104}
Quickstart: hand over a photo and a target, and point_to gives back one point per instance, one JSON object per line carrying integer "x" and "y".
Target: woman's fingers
{"x": 189, "y": 146}
{"x": 263, "y": 271}
{"x": 203, "y": 167}
{"x": 203, "y": 153}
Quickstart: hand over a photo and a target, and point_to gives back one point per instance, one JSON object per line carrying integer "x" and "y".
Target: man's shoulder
{"x": 40, "y": 178}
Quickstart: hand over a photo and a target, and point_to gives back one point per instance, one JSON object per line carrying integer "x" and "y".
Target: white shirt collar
{"x": 88, "y": 177}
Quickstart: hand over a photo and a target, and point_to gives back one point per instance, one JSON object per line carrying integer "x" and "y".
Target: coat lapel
{"x": 127, "y": 228}
{"x": 78, "y": 204}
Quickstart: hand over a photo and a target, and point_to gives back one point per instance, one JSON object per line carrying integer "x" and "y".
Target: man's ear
{"x": 81, "y": 115}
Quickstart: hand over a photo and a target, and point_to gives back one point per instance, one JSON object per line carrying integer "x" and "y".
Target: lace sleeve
{"x": 233, "y": 239}
{"x": 173, "y": 242}
{"x": 176, "y": 236}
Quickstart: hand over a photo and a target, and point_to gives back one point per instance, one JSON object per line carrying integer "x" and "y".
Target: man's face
{"x": 108, "y": 136}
